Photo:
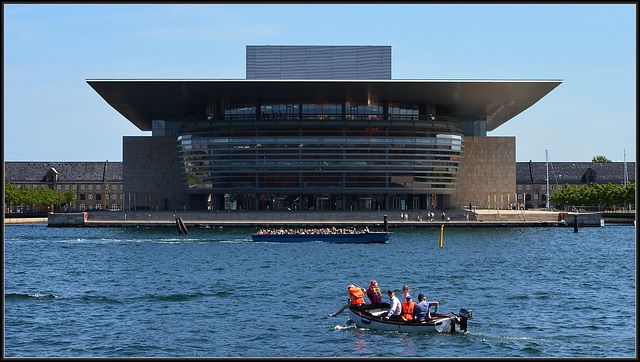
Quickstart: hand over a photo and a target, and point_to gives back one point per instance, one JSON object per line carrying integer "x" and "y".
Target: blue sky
{"x": 52, "y": 114}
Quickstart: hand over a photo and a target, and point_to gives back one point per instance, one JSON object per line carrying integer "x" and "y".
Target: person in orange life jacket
{"x": 407, "y": 309}
{"x": 356, "y": 297}
{"x": 396, "y": 309}
{"x": 373, "y": 293}
{"x": 421, "y": 310}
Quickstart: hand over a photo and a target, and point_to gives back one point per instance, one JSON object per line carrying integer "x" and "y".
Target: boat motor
{"x": 464, "y": 315}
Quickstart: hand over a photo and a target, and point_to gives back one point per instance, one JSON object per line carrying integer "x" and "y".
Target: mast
{"x": 626, "y": 175}
{"x": 104, "y": 182}
{"x": 546, "y": 153}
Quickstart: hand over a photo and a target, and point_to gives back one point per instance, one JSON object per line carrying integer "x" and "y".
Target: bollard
{"x": 441, "y": 232}
{"x": 386, "y": 226}
{"x": 575, "y": 223}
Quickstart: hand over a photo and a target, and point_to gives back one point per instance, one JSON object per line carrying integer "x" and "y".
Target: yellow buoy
{"x": 441, "y": 232}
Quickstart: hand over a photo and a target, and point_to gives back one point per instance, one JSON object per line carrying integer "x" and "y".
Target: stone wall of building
{"x": 151, "y": 174}
{"x": 487, "y": 174}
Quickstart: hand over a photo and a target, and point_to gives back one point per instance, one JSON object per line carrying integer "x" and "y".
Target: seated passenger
{"x": 373, "y": 293}
{"x": 356, "y": 297}
{"x": 407, "y": 309}
{"x": 421, "y": 310}
{"x": 395, "y": 310}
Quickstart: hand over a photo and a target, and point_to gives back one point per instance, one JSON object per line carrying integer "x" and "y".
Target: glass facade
{"x": 344, "y": 155}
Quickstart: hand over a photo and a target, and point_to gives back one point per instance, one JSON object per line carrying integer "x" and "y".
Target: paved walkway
{"x": 482, "y": 218}
{"x": 459, "y": 218}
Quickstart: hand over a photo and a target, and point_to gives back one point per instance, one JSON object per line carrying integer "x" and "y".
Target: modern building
{"x": 319, "y": 127}
{"x": 98, "y": 185}
{"x": 531, "y": 178}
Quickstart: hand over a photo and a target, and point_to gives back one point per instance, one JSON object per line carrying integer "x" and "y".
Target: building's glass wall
{"x": 161, "y": 128}
{"x": 476, "y": 128}
{"x": 329, "y": 150}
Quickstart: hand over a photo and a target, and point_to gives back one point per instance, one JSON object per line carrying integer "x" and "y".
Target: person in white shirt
{"x": 396, "y": 309}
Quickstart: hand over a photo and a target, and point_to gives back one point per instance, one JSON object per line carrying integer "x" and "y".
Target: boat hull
{"x": 371, "y": 237}
{"x": 371, "y": 318}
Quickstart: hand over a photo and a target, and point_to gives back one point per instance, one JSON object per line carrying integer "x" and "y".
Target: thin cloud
{"x": 211, "y": 34}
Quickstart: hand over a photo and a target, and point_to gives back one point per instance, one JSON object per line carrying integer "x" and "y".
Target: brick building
{"x": 98, "y": 185}
{"x": 531, "y": 178}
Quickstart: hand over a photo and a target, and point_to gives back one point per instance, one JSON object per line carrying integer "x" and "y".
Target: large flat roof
{"x": 143, "y": 100}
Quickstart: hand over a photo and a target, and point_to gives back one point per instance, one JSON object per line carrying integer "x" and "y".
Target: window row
{"x": 98, "y": 197}
{"x": 542, "y": 187}
{"x": 331, "y": 108}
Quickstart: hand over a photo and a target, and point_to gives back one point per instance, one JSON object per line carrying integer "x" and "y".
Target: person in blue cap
{"x": 421, "y": 310}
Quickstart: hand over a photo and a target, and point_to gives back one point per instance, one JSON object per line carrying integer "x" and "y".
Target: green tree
{"x": 600, "y": 159}
{"x": 11, "y": 194}
{"x": 32, "y": 196}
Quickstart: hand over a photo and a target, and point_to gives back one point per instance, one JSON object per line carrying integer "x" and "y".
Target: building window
{"x": 528, "y": 187}
{"x": 98, "y": 197}
{"x": 519, "y": 187}
{"x": 59, "y": 187}
{"x": 90, "y": 187}
{"x": 81, "y": 196}
{"x": 98, "y": 206}
{"x": 81, "y": 187}
{"x": 82, "y": 207}
{"x": 559, "y": 187}
{"x": 114, "y": 197}
{"x": 75, "y": 187}
{"x": 120, "y": 187}
{"x": 114, "y": 187}
{"x": 114, "y": 207}
{"x": 66, "y": 187}
{"x": 544, "y": 187}
{"x": 519, "y": 196}
{"x": 98, "y": 187}
{"x": 90, "y": 196}
{"x": 535, "y": 196}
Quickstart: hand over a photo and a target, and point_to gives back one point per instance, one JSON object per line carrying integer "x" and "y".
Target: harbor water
{"x": 151, "y": 292}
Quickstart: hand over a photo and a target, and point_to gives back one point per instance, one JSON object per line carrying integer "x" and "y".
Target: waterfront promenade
{"x": 293, "y": 219}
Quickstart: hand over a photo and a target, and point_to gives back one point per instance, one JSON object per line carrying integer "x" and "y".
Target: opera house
{"x": 319, "y": 128}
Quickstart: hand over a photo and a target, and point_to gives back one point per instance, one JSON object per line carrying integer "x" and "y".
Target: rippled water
{"x": 135, "y": 292}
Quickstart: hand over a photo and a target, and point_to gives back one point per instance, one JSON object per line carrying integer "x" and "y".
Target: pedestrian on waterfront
{"x": 443, "y": 215}
{"x": 373, "y": 293}
{"x": 355, "y": 298}
{"x": 396, "y": 308}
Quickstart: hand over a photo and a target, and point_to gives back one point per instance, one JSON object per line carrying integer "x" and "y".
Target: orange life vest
{"x": 357, "y": 296}
{"x": 407, "y": 310}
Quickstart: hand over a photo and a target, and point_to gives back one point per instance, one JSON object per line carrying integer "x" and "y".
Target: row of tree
{"x": 595, "y": 195}
{"x": 14, "y": 196}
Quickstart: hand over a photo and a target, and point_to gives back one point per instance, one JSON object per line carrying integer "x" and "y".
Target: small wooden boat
{"x": 370, "y": 316}
{"x": 364, "y": 237}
